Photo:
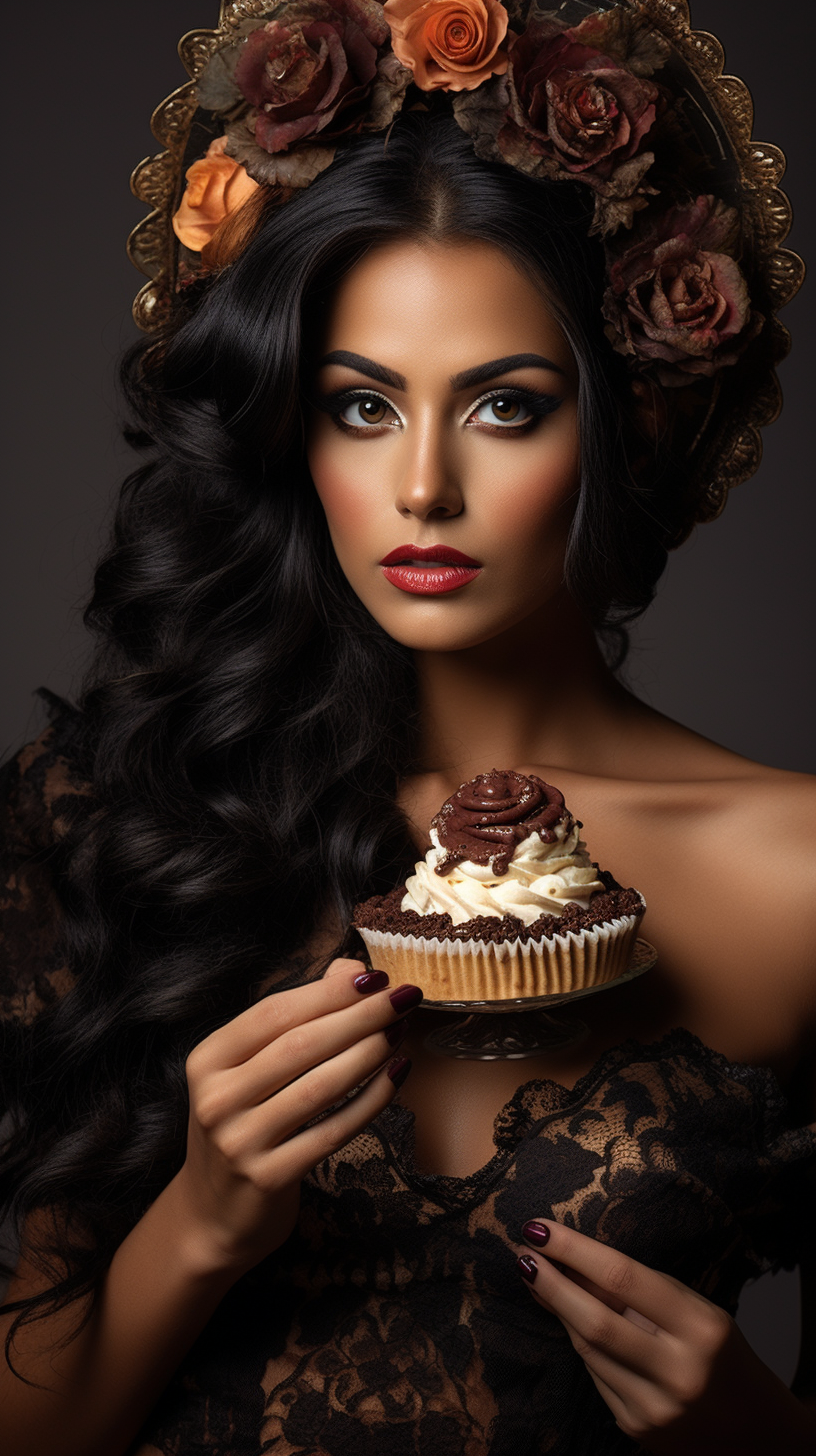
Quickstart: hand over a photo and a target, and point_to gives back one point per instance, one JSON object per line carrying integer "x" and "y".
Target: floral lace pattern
{"x": 393, "y": 1321}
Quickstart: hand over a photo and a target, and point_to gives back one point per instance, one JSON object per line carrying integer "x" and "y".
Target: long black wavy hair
{"x": 246, "y": 723}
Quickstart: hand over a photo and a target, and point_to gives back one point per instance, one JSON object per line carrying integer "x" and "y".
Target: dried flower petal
{"x": 580, "y": 108}
{"x": 675, "y": 302}
{"x": 311, "y": 70}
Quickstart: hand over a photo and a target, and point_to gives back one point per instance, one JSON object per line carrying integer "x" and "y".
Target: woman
{"x": 409, "y": 357}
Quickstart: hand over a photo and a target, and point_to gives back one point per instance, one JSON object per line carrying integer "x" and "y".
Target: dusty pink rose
{"x": 312, "y": 71}
{"x": 676, "y": 300}
{"x": 578, "y": 106}
{"x": 450, "y": 45}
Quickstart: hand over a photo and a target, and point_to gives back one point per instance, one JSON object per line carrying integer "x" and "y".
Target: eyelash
{"x": 539, "y": 405}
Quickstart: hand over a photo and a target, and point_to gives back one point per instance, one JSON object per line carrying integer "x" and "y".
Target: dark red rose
{"x": 674, "y": 298}
{"x": 311, "y": 71}
{"x": 577, "y": 106}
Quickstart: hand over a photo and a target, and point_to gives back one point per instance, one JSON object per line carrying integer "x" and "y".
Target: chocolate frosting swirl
{"x": 488, "y": 816}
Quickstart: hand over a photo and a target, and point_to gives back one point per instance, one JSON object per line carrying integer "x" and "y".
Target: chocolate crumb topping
{"x": 382, "y": 912}
{"x": 488, "y": 816}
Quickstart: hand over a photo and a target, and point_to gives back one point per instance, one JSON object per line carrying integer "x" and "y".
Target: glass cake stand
{"x": 524, "y": 1026}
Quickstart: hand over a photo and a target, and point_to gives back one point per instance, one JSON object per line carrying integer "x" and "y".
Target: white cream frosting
{"x": 541, "y": 879}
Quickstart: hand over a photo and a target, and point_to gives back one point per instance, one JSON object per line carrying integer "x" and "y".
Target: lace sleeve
{"x": 40, "y": 797}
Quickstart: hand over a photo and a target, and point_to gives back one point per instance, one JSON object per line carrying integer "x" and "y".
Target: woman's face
{"x": 443, "y": 442}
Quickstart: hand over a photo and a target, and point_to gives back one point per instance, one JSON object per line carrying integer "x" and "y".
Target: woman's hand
{"x": 673, "y": 1368}
{"x": 257, "y": 1085}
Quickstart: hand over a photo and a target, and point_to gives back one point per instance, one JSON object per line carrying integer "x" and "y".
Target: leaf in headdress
{"x": 622, "y": 34}
{"x": 296, "y": 168}
{"x": 481, "y": 113}
{"x": 387, "y": 92}
{"x": 216, "y": 88}
{"x": 622, "y": 194}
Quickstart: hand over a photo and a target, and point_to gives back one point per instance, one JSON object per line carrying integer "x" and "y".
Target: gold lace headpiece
{"x": 619, "y": 97}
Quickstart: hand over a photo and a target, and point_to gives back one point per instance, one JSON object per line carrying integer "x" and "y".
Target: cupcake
{"x": 506, "y": 903}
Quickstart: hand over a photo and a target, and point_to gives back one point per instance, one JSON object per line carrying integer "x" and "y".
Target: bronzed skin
{"x": 712, "y": 839}
{"x": 510, "y": 677}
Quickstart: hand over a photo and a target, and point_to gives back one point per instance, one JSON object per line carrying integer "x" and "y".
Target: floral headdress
{"x": 618, "y": 97}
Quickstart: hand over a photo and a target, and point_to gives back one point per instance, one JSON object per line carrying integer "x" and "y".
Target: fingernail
{"x": 527, "y": 1268}
{"x": 370, "y": 981}
{"x": 395, "y": 1034}
{"x": 405, "y": 998}
{"x": 398, "y": 1070}
{"x": 535, "y": 1233}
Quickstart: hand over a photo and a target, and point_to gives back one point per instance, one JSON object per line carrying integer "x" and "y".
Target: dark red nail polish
{"x": 395, "y": 1034}
{"x": 398, "y": 1070}
{"x": 405, "y": 998}
{"x": 370, "y": 981}
{"x": 527, "y": 1268}
{"x": 535, "y": 1233}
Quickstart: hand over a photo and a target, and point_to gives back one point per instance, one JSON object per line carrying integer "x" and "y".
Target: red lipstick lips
{"x": 429, "y": 570}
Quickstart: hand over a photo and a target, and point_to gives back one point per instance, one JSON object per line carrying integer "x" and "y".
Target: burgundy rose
{"x": 311, "y": 71}
{"x": 577, "y": 106}
{"x": 674, "y": 298}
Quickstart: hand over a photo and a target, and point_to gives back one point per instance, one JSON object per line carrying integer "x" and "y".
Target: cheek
{"x": 540, "y": 503}
{"x": 344, "y": 498}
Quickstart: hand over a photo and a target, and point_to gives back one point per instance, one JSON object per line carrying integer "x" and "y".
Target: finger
{"x": 269, "y": 1018}
{"x": 309, "y": 1043}
{"x": 596, "y": 1325}
{"x": 659, "y": 1298}
{"x": 610, "y": 1300}
{"x": 316, "y": 1092}
{"x": 630, "y": 1396}
{"x": 309, "y": 1147}
{"x": 613, "y": 1400}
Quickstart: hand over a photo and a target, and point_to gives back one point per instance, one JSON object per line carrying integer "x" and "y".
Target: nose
{"x": 429, "y": 487}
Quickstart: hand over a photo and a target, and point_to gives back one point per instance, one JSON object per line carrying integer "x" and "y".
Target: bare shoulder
{"x": 724, "y": 851}
{"x": 760, "y": 827}
{"x": 762, "y": 820}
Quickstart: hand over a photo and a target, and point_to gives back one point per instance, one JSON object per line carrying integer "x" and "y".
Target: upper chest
{"x": 725, "y": 916}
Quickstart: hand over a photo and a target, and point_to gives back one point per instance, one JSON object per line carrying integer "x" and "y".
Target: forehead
{"x": 449, "y": 305}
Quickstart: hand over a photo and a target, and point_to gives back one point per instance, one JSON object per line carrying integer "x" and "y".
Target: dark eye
{"x": 502, "y": 410}
{"x": 365, "y": 410}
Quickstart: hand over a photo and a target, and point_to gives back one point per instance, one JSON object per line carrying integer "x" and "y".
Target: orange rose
{"x": 450, "y": 45}
{"x": 216, "y": 187}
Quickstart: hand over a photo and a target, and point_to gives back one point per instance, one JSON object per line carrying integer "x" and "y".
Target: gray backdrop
{"x": 726, "y": 648}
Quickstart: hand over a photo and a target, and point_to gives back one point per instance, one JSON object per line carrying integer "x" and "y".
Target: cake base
{"x": 512, "y": 1030}
{"x": 484, "y": 970}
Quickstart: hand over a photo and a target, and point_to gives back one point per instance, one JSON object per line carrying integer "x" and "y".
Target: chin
{"x": 440, "y": 641}
{"x": 433, "y": 630}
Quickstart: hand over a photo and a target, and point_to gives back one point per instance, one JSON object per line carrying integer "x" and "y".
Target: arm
{"x": 93, "y": 1388}
{"x": 253, "y": 1085}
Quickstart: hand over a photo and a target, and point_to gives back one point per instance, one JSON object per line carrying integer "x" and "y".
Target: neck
{"x": 540, "y": 693}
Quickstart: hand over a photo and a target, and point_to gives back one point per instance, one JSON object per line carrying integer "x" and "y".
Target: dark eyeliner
{"x": 338, "y": 400}
{"x": 539, "y": 403}
{"x": 536, "y": 401}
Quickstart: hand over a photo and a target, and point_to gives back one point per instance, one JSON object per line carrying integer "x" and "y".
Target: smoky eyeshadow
{"x": 537, "y": 401}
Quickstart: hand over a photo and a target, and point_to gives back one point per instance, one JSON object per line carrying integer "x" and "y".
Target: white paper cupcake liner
{"x": 483, "y": 970}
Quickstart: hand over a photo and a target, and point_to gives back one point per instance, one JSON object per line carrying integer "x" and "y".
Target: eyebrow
{"x": 481, "y": 374}
{"x": 364, "y": 366}
{"x": 484, "y": 372}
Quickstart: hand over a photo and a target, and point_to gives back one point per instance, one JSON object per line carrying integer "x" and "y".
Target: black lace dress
{"x": 393, "y": 1322}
